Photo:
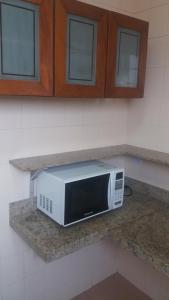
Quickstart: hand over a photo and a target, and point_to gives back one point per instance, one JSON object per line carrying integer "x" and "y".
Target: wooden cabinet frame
{"x": 115, "y": 21}
{"x": 43, "y": 87}
{"x": 62, "y": 88}
{"x": 53, "y": 54}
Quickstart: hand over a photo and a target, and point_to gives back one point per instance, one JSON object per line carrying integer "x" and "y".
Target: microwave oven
{"x": 73, "y": 193}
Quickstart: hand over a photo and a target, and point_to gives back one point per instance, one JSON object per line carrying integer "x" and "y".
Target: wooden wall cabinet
{"x": 67, "y": 48}
{"x": 90, "y": 40}
{"x": 26, "y": 52}
{"x": 126, "y": 56}
{"x": 80, "y": 49}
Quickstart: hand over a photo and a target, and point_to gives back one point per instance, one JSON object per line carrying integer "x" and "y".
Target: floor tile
{"x": 115, "y": 287}
{"x": 83, "y": 296}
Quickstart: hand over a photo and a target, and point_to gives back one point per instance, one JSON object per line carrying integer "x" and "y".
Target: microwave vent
{"x": 41, "y": 200}
{"x": 51, "y": 206}
{"x": 46, "y": 203}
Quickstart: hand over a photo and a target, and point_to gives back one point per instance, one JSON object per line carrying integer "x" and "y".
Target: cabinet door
{"x": 80, "y": 49}
{"x": 127, "y": 52}
{"x": 26, "y": 50}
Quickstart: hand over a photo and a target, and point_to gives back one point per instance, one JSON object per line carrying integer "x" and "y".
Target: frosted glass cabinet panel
{"x": 127, "y": 53}
{"x": 128, "y": 49}
{"x": 81, "y": 51}
{"x": 26, "y": 47}
{"x": 19, "y": 40}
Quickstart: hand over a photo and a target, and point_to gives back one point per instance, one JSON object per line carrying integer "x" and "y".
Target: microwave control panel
{"x": 117, "y": 189}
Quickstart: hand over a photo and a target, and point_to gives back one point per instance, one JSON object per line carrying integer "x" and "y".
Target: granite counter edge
{"x": 31, "y": 164}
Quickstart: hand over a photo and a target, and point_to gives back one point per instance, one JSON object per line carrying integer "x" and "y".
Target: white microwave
{"x": 73, "y": 193}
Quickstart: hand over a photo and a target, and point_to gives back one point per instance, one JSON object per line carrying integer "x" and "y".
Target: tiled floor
{"x": 115, "y": 287}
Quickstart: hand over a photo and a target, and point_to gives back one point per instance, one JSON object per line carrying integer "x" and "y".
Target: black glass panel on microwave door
{"x": 86, "y": 197}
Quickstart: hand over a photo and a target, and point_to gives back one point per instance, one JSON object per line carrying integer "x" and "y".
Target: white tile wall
{"x": 158, "y": 18}
{"x": 154, "y": 3}
{"x": 141, "y": 5}
{"x": 122, "y": 6}
{"x": 10, "y": 114}
{"x": 35, "y": 113}
{"x": 148, "y": 121}
{"x": 14, "y": 291}
{"x": 157, "y": 52}
{"x": 70, "y": 275}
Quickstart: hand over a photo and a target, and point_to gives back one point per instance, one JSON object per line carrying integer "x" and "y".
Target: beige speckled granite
{"x": 40, "y": 162}
{"x": 148, "y": 238}
{"x": 142, "y": 226}
{"x": 147, "y": 189}
{"x": 147, "y": 154}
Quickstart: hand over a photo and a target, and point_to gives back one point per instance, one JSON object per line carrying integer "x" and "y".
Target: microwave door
{"x": 86, "y": 197}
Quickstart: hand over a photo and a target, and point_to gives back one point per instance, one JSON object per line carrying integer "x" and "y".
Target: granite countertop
{"x": 32, "y": 164}
{"x": 148, "y": 238}
{"x": 141, "y": 225}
